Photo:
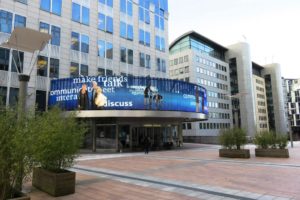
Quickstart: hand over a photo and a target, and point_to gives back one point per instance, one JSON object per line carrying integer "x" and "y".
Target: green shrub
{"x": 233, "y": 138}
{"x": 281, "y": 141}
{"x": 58, "y": 139}
{"x": 270, "y": 139}
{"x": 15, "y": 148}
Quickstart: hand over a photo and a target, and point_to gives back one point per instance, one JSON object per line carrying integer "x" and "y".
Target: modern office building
{"x": 293, "y": 105}
{"x": 197, "y": 59}
{"x": 116, "y": 40}
{"x": 251, "y": 100}
{"x": 101, "y": 37}
{"x": 240, "y": 92}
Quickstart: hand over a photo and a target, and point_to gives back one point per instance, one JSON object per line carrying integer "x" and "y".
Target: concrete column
{"x": 24, "y": 79}
{"x": 93, "y": 130}
{"x": 117, "y": 138}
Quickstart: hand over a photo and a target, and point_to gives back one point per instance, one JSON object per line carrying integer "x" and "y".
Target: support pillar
{"x": 23, "y": 79}
{"x": 93, "y": 130}
{"x": 117, "y": 138}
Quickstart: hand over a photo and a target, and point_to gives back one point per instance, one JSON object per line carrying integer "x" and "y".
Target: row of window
{"x": 262, "y": 110}
{"x": 9, "y": 20}
{"x": 260, "y": 82}
{"x": 263, "y": 125}
{"x": 261, "y": 103}
{"x": 260, "y": 89}
{"x": 180, "y": 60}
{"x": 218, "y": 105}
{"x": 210, "y": 63}
{"x": 206, "y": 72}
{"x": 260, "y": 96}
{"x": 105, "y": 24}
{"x": 215, "y": 115}
{"x": 212, "y": 84}
{"x": 262, "y": 118}
{"x": 181, "y": 70}
{"x": 214, "y": 125}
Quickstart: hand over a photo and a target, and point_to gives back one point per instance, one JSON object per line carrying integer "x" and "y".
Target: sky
{"x": 271, "y": 27}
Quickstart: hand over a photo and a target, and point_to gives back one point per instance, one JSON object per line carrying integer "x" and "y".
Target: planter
{"x": 20, "y": 196}
{"x": 274, "y": 153}
{"x": 55, "y": 184}
{"x": 234, "y": 153}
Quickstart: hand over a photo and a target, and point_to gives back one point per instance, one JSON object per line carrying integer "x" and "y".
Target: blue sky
{"x": 271, "y": 27}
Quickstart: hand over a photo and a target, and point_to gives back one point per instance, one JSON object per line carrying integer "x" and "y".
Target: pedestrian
{"x": 147, "y": 144}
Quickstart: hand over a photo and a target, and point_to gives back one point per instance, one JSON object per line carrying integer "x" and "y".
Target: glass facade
{"x": 197, "y": 44}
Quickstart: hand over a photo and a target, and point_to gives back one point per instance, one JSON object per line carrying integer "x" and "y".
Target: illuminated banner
{"x": 127, "y": 93}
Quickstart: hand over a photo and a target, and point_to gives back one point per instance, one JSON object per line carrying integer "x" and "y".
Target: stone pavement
{"x": 194, "y": 172}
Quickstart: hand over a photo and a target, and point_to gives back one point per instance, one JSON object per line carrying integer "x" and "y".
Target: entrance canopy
{"x": 141, "y": 115}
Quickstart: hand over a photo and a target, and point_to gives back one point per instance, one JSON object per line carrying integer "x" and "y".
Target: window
{"x": 160, "y": 43}
{"x": 53, "y": 6}
{"x": 189, "y": 126}
{"x": 74, "y": 70}
{"x": 144, "y": 15}
{"x": 130, "y": 56}
{"x": 42, "y": 66}
{"x": 106, "y": 2}
{"x": 159, "y": 22}
{"x": 126, "y": 31}
{"x": 161, "y": 64}
{"x": 84, "y": 44}
{"x": 123, "y": 54}
{"x": 105, "y": 23}
{"x": 126, "y": 55}
{"x": 105, "y": 49}
{"x": 84, "y": 70}
{"x": 20, "y": 21}
{"x": 55, "y": 31}
{"x": 126, "y": 7}
{"x": 183, "y": 126}
{"x": 142, "y": 60}
{"x": 77, "y": 39}
{"x": 4, "y": 60}
{"x": 144, "y": 37}
{"x": 80, "y": 14}
{"x": 148, "y": 61}
{"x": 5, "y": 21}
{"x": 109, "y": 50}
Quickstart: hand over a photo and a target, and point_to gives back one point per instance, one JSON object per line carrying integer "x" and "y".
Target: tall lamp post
{"x": 32, "y": 41}
{"x": 26, "y": 40}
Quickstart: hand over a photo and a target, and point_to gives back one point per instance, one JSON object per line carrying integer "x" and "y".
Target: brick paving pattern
{"x": 190, "y": 173}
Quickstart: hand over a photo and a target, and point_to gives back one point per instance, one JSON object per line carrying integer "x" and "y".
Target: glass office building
{"x": 89, "y": 38}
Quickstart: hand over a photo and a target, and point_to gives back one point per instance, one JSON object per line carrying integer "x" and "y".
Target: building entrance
{"x": 160, "y": 137}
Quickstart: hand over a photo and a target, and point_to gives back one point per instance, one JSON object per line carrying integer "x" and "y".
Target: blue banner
{"x": 127, "y": 93}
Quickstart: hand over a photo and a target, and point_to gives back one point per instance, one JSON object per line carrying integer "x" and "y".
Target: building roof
{"x": 254, "y": 64}
{"x": 196, "y": 35}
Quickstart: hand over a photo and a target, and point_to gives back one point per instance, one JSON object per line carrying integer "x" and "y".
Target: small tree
{"x": 233, "y": 138}
{"x": 58, "y": 139}
{"x": 270, "y": 139}
{"x": 15, "y": 159}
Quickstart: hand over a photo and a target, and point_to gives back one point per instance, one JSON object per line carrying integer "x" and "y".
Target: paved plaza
{"x": 193, "y": 172}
